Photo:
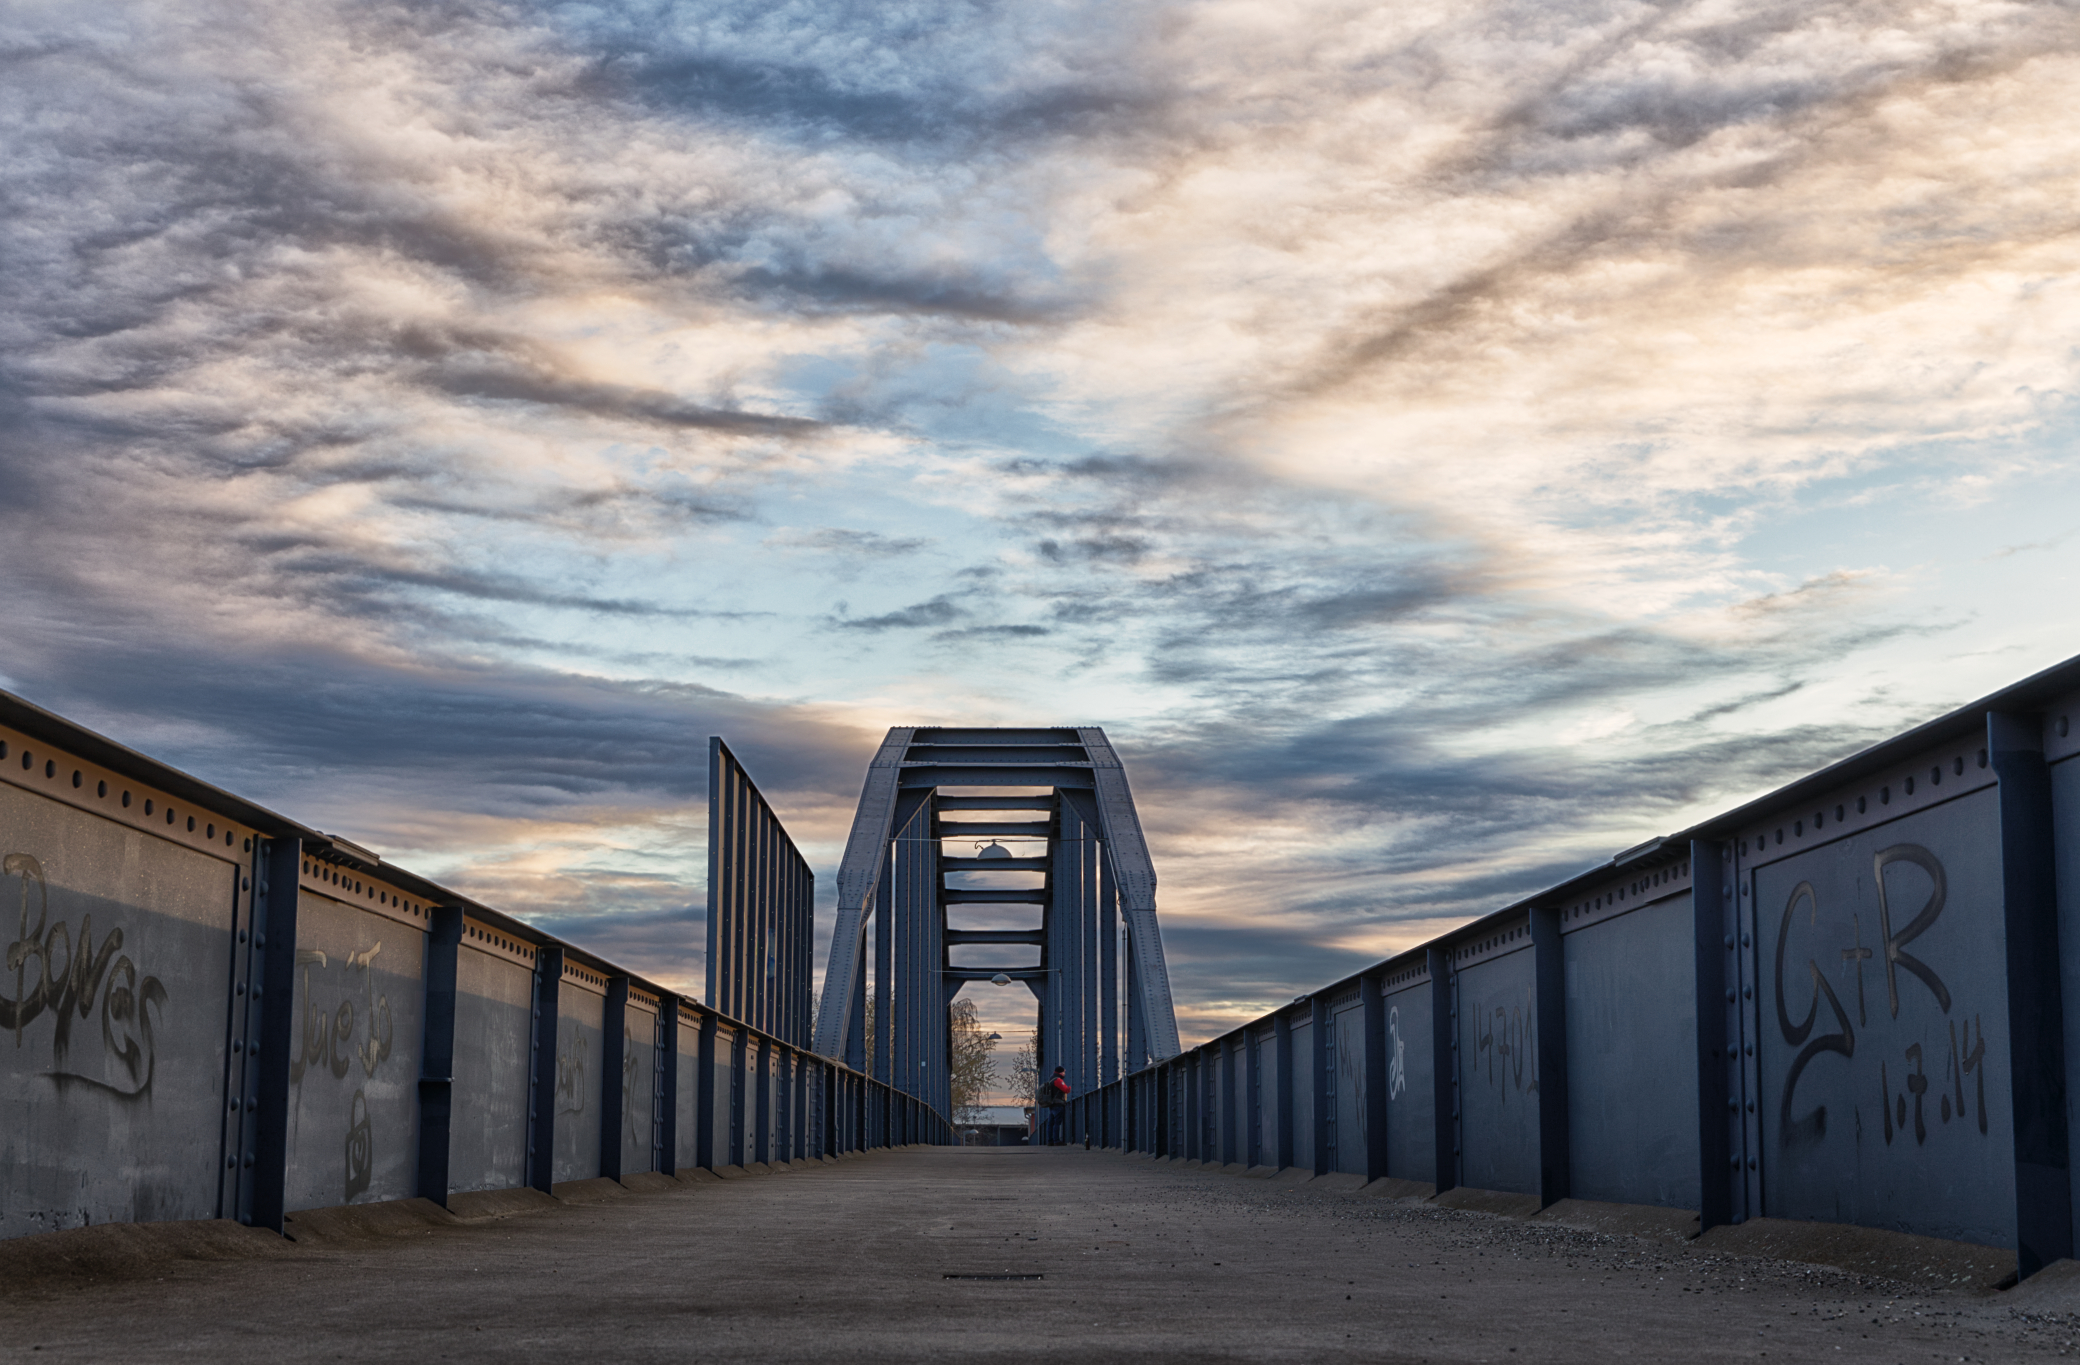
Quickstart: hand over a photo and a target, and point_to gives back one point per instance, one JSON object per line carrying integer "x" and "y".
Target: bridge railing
{"x": 214, "y": 1011}
{"x": 1856, "y": 1000}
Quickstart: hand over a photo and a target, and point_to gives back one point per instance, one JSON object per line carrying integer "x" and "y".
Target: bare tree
{"x": 1025, "y": 1069}
{"x": 973, "y": 1061}
{"x": 973, "y": 1056}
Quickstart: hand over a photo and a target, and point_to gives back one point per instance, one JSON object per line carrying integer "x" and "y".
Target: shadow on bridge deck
{"x": 899, "y": 1256}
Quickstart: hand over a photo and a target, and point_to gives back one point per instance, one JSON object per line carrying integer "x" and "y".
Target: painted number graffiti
{"x": 1964, "y": 1058}
{"x": 71, "y": 978}
{"x": 337, "y": 1041}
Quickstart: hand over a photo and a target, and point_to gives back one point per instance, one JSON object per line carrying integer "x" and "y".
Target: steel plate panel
{"x": 1264, "y": 1053}
{"x": 113, "y": 1007}
{"x": 1350, "y": 1090}
{"x": 1304, "y": 1060}
{"x": 494, "y": 1005}
{"x": 1411, "y": 1095}
{"x": 1632, "y": 1057}
{"x": 354, "y": 1056}
{"x": 758, "y": 1146}
{"x": 689, "y": 1093}
{"x": 724, "y": 1087}
{"x": 2065, "y": 820}
{"x": 638, "y": 1088}
{"x": 580, "y": 1052}
{"x": 1498, "y": 1074}
{"x": 1885, "y": 1092}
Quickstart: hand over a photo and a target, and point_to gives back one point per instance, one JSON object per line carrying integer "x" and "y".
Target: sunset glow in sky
{"x": 1442, "y": 444}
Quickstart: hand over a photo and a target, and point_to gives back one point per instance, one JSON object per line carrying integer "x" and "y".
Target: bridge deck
{"x": 1141, "y": 1262}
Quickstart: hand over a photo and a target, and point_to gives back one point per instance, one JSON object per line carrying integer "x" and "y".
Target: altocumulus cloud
{"x": 1396, "y": 424}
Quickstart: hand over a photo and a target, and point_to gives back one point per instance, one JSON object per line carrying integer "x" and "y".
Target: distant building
{"x": 995, "y": 1125}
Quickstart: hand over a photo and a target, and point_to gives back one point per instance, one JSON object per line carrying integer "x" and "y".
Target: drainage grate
{"x": 951, "y": 1276}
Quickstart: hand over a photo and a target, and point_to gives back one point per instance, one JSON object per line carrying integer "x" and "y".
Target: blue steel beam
{"x": 1120, "y": 828}
{"x": 859, "y": 872}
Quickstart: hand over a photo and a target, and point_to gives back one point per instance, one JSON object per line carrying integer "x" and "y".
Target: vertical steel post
{"x": 1252, "y": 1083}
{"x": 1137, "y": 1029}
{"x": 541, "y": 1081}
{"x": 704, "y": 1099}
{"x": 1166, "y": 1130}
{"x": 613, "y": 1046}
{"x": 1194, "y": 1130}
{"x": 1059, "y": 1016}
{"x": 437, "y": 1052}
{"x": 1087, "y": 966}
{"x": 739, "y": 1041}
{"x": 783, "y": 1103}
{"x": 1374, "y": 1016}
{"x": 1549, "y": 1055}
{"x": 1712, "y": 927}
{"x": 2037, "y": 1063}
{"x": 665, "y": 1145}
{"x": 1288, "y": 1089}
{"x": 1321, "y": 1058}
{"x": 271, "y": 999}
{"x": 762, "y": 1110}
{"x": 1230, "y": 1146}
{"x": 1109, "y": 1069}
{"x": 718, "y": 875}
{"x": 856, "y": 1032}
{"x": 1444, "y": 1067}
{"x": 883, "y": 1060}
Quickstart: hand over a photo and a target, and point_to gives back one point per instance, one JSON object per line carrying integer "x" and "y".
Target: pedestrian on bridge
{"x": 1052, "y": 1097}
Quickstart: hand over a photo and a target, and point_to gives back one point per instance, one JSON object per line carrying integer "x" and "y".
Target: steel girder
{"x": 1097, "y": 868}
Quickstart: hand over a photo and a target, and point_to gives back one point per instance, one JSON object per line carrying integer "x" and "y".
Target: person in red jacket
{"x": 1054, "y": 1093}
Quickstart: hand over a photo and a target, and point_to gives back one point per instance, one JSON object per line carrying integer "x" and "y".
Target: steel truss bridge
{"x": 1104, "y": 994}
{"x": 1855, "y": 999}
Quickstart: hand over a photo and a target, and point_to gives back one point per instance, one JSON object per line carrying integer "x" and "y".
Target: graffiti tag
{"x": 1506, "y": 1042}
{"x": 86, "y": 978}
{"x": 1397, "y": 1055}
{"x": 1965, "y": 1059}
{"x": 570, "y": 1074}
{"x": 329, "y": 1046}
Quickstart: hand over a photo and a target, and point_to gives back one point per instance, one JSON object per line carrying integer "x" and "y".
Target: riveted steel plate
{"x": 354, "y": 1056}
{"x": 1349, "y": 1026}
{"x": 1498, "y": 1072}
{"x": 1264, "y": 1089}
{"x": 638, "y": 1084}
{"x": 1304, "y": 1062}
{"x": 112, "y": 1016}
{"x": 580, "y": 1053}
{"x": 2065, "y": 816}
{"x": 1411, "y": 1092}
{"x": 494, "y": 1006}
{"x": 1883, "y": 1048}
{"x": 689, "y": 1027}
{"x": 1632, "y": 1055}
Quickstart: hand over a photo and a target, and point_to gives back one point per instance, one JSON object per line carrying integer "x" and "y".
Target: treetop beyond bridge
{"x": 1853, "y": 1000}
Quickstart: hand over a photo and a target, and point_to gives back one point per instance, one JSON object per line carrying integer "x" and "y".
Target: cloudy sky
{"x": 1442, "y": 443}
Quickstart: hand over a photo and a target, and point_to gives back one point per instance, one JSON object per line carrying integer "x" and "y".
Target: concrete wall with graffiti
{"x": 1855, "y": 1000}
{"x": 207, "y": 1010}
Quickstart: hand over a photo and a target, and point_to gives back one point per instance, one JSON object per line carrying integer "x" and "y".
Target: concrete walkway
{"x": 1140, "y": 1262}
